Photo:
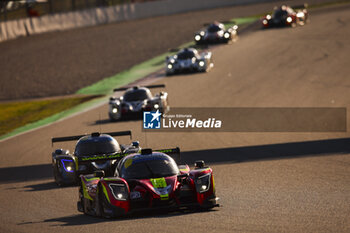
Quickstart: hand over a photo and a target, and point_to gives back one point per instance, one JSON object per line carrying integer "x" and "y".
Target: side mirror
{"x": 58, "y": 151}
{"x": 135, "y": 143}
{"x": 199, "y": 164}
{"x": 61, "y": 152}
{"x": 99, "y": 173}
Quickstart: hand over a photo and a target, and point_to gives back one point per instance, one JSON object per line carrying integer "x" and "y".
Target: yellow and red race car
{"x": 147, "y": 181}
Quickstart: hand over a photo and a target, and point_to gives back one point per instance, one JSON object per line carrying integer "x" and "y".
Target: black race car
{"x": 188, "y": 60}
{"x": 147, "y": 181}
{"x": 135, "y": 101}
{"x": 92, "y": 152}
{"x": 286, "y": 16}
{"x": 216, "y": 33}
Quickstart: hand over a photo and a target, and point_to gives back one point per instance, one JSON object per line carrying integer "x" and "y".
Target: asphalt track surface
{"x": 61, "y": 63}
{"x": 267, "y": 182}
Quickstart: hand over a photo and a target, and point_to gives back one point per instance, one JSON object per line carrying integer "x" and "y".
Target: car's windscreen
{"x": 89, "y": 148}
{"x": 149, "y": 168}
{"x": 137, "y": 95}
{"x": 214, "y": 28}
{"x": 278, "y": 14}
{"x": 185, "y": 55}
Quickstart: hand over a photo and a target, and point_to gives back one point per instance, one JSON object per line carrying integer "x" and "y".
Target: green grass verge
{"x": 15, "y": 115}
{"x": 107, "y": 85}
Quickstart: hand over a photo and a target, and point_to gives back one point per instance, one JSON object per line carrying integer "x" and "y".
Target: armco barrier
{"x": 95, "y": 16}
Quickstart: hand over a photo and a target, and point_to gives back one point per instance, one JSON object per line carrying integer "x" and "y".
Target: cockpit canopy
{"x": 96, "y": 145}
{"x": 187, "y": 54}
{"x": 155, "y": 165}
{"x": 282, "y": 12}
{"x": 215, "y": 27}
{"x": 137, "y": 94}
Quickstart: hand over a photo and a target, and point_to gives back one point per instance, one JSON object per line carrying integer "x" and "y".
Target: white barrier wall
{"x": 63, "y": 21}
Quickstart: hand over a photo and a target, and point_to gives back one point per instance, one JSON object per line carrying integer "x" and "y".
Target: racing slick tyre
{"x": 55, "y": 175}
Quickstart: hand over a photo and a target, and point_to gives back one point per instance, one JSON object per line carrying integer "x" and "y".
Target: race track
{"x": 267, "y": 182}
{"x": 45, "y": 65}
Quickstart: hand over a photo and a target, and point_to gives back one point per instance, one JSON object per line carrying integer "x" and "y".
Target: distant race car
{"x": 135, "y": 101}
{"x": 92, "y": 152}
{"x": 147, "y": 181}
{"x": 188, "y": 60}
{"x": 216, "y": 33}
{"x": 286, "y": 16}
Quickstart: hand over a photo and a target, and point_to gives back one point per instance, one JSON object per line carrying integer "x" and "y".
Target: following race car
{"x": 135, "y": 101}
{"x": 188, "y": 60}
{"x": 148, "y": 180}
{"x": 286, "y": 16}
{"x": 216, "y": 33}
{"x": 92, "y": 152}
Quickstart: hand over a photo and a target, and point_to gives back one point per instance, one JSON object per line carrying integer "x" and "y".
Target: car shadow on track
{"x": 25, "y": 173}
{"x": 224, "y": 155}
{"x": 269, "y": 152}
{"x": 82, "y": 219}
{"x": 43, "y": 186}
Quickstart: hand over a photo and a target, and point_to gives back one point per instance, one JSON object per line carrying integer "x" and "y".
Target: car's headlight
{"x": 156, "y": 106}
{"x": 197, "y": 37}
{"x": 202, "y": 33}
{"x": 268, "y": 17}
{"x": 68, "y": 165}
{"x": 227, "y": 35}
{"x": 300, "y": 14}
{"x": 264, "y": 21}
{"x": 119, "y": 191}
{"x": 170, "y": 66}
{"x": 172, "y": 60}
{"x": 201, "y": 63}
{"x": 289, "y": 19}
{"x": 203, "y": 183}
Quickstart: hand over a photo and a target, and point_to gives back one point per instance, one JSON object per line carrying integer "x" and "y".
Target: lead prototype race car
{"x": 285, "y": 16}
{"x": 188, "y": 60}
{"x": 147, "y": 181}
{"x": 135, "y": 101}
{"x": 216, "y": 33}
{"x": 92, "y": 152}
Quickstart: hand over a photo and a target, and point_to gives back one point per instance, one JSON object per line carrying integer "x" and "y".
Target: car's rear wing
{"x": 149, "y": 86}
{"x": 77, "y": 137}
{"x": 171, "y": 152}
